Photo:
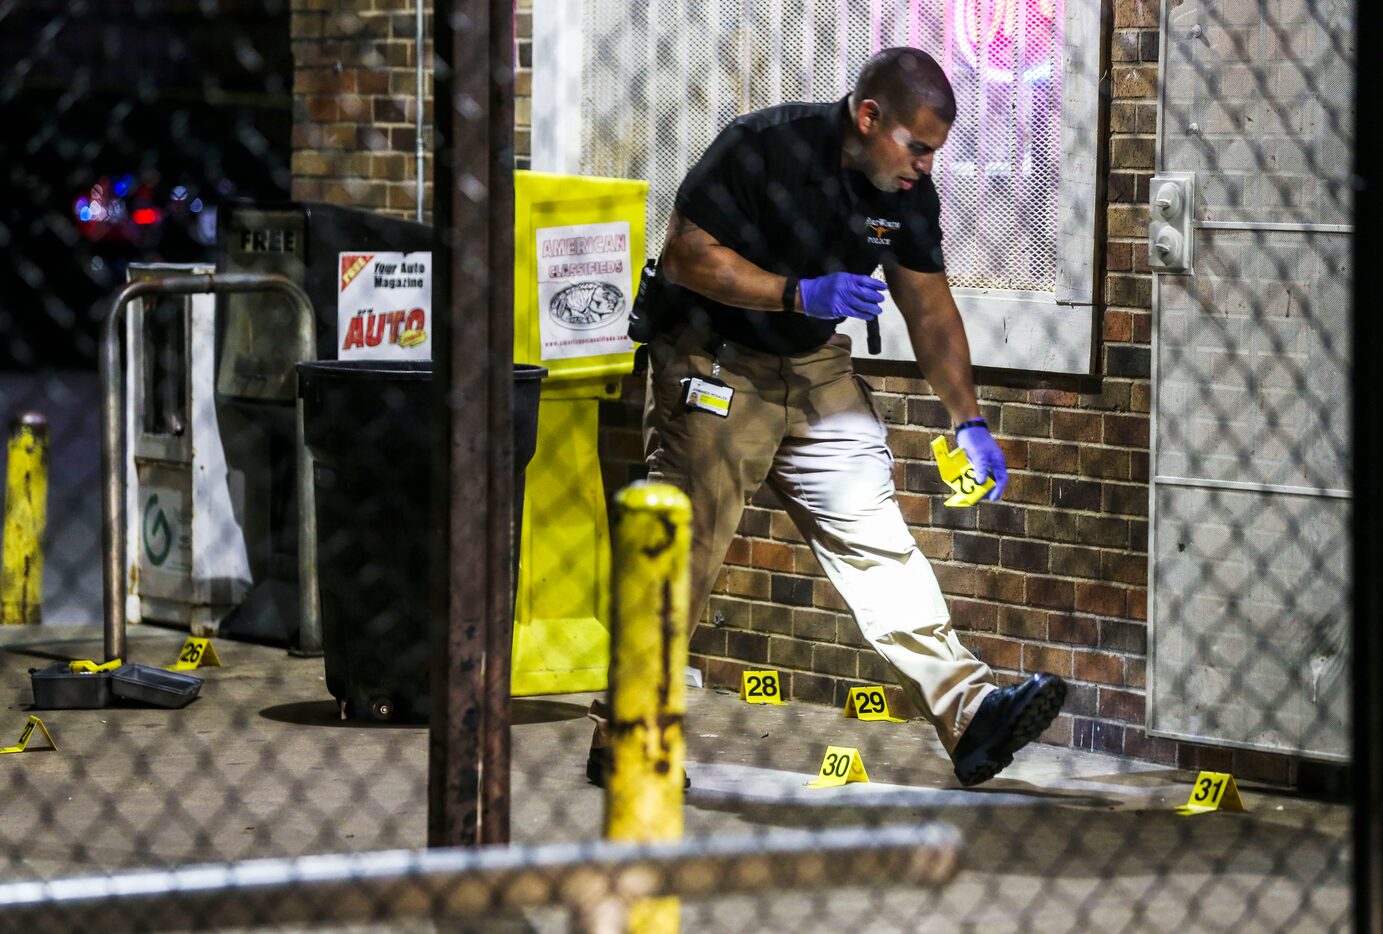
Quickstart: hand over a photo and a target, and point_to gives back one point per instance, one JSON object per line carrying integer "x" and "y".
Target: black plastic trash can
{"x": 368, "y": 427}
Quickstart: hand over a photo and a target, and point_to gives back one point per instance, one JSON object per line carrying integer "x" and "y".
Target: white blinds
{"x": 661, "y": 78}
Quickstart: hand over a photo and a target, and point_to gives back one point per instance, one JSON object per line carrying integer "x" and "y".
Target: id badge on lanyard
{"x": 707, "y": 393}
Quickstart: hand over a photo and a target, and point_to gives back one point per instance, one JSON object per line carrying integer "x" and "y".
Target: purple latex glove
{"x": 986, "y": 456}
{"x": 842, "y": 295}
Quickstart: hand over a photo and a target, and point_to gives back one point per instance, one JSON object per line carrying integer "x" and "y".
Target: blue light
{"x": 180, "y": 193}
{"x": 84, "y": 213}
{"x": 122, "y": 185}
{"x": 196, "y": 205}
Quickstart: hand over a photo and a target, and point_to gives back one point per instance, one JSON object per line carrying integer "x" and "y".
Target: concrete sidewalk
{"x": 261, "y": 765}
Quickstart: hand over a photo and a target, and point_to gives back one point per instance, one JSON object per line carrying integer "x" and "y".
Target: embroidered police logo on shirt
{"x": 881, "y": 230}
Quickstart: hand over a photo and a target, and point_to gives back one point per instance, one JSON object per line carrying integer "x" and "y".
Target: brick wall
{"x": 355, "y": 102}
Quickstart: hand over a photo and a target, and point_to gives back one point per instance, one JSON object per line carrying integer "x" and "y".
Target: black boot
{"x": 1008, "y": 719}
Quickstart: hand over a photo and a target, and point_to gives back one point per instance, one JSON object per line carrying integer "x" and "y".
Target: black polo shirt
{"x": 771, "y": 188}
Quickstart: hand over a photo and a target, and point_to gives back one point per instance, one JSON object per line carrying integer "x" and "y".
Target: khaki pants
{"x": 807, "y": 425}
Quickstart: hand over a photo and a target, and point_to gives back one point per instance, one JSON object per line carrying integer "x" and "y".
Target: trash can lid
{"x": 368, "y": 369}
{"x": 398, "y": 369}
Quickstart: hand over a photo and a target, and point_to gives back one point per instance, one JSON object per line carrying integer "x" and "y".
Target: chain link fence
{"x": 1145, "y": 218}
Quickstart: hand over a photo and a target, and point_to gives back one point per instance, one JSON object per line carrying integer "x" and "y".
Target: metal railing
{"x": 114, "y": 442}
{"x": 597, "y": 882}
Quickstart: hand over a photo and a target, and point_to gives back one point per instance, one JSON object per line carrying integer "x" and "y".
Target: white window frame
{"x": 1044, "y": 332}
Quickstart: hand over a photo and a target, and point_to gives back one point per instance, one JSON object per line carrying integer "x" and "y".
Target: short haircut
{"x": 903, "y": 80}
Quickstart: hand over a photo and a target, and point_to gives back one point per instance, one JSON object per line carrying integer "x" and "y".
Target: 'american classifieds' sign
{"x": 584, "y": 290}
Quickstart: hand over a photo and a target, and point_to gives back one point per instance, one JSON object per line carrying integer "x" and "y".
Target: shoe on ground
{"x": 598, "y": 761}
{"x": 1008, "y": 719}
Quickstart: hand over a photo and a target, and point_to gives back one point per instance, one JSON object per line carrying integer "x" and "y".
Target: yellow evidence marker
{"x": 29, "y": 732}
{"x": 869, "y": 703}
{"x": 1213, "y": 791}
{"x": 959, "y": 475}
{"x": 841, "y": 764}
{"x": 196, "y": 653}
{"x": 761, "y": 687}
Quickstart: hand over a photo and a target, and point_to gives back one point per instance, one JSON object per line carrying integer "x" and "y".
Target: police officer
{"x": 771, "y": 245}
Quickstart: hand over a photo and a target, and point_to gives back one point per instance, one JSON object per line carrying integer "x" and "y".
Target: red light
{"x": 145, "y": 216}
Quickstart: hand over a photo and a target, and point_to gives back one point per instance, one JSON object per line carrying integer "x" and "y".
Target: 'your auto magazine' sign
{"x": 384, "y": 306}
{"x": 584, "y": 290}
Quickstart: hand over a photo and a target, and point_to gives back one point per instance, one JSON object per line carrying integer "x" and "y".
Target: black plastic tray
{"x": 147, "y": 685}
{"x": 57, "y": 688}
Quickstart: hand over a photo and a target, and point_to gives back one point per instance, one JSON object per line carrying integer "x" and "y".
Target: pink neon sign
{"x": 991, "y": 34}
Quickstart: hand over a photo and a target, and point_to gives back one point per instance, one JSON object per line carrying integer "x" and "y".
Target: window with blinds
{"x": 659, "y": 81}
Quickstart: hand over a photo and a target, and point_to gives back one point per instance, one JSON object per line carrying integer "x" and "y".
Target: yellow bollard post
{"x": 648, "y": 691}
{"x": 26, "y": 513}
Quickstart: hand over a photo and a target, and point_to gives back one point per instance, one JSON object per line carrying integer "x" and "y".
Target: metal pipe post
{"x": 468, "y": 784}
{"x": 499, "y": 629}
{"x": 309, "y": 591}
{"x": 113, "y": 479}
{"x": 648, "y": 691}
{"x": 1366, "y": 531}
{"x": 114, "y": 442}
{"x": 419, "y": 148}
{"x": 26, "y": 516}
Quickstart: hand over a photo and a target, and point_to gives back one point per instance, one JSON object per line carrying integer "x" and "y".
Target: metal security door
{"x": 1249, "y": 618}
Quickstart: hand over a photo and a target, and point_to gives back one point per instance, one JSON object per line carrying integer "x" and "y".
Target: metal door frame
{"x": 1165, "y": 28}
